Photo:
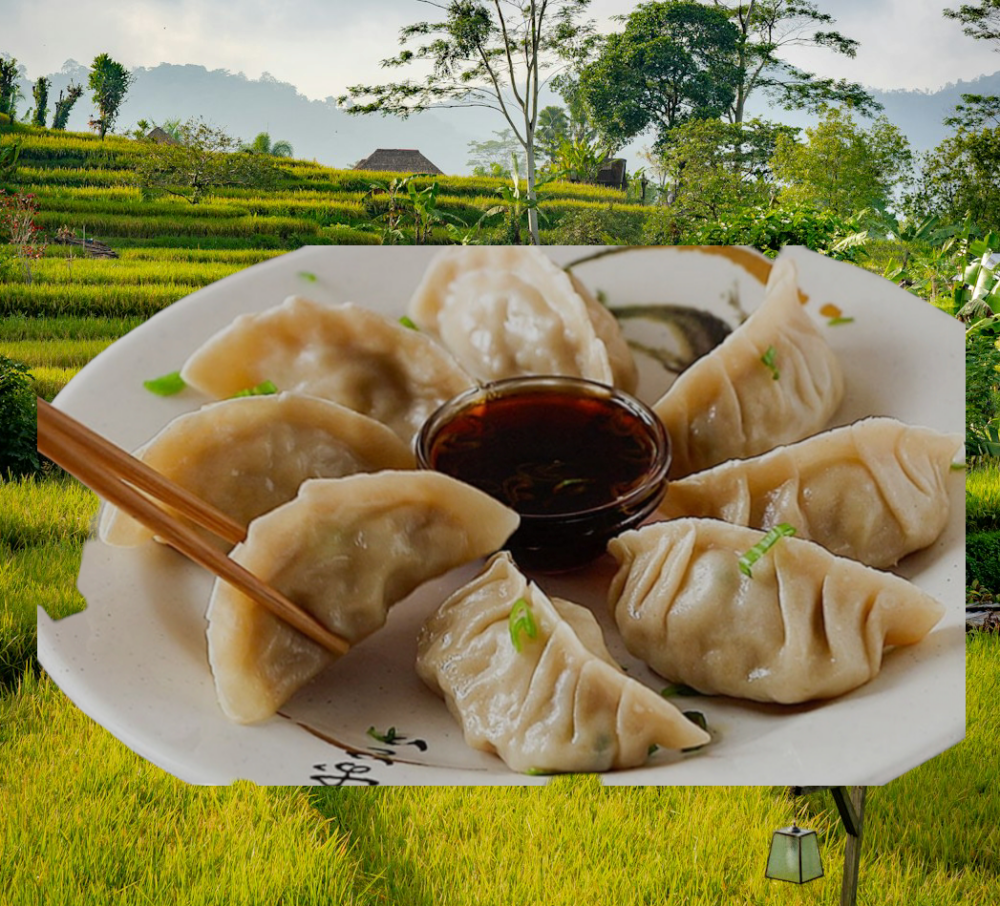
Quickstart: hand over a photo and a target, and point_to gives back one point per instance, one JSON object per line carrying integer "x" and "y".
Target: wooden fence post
{"x": 852, "y": 849}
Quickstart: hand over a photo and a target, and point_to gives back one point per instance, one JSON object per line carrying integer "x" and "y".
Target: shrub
{"x": 18, "y": 421}
{"x": 982, "y": 559}
{"x": 598, "y": 226}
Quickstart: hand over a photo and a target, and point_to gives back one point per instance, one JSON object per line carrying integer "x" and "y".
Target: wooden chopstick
{"x": 111, "y": 473}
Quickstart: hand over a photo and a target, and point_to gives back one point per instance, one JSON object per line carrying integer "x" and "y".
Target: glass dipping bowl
{"x": 579, "y": 461}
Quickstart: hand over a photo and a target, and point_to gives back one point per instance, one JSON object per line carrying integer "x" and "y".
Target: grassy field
{"x": 85, "y": 821}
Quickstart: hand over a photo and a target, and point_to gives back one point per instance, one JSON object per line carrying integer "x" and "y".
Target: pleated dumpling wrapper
{"x": 873, "y": 491}
{"x": 510, "y": 311}
{"x": 531, "y": 680}
{"x": 804, "y": 625}
{"x": 345, "y": 550}
{"x": 246, "y": 456}
{"x": 774, "y": 380}
{"x": 344, "y": 353}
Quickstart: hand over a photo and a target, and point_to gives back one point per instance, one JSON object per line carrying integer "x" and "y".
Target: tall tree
{"x": 842, "y": 167}
{"x": 262, "y": 144}
{"x": 110, "y": 82}
{"x": 766, "y": 29}
{"x": 980, "y": 20}
{"x": 493, "y": 156}
{"x": 8, "y": 85}
{"x": 41, "y": 93}
{"x": 672, "y": 63}
{"x": 481, "y": 54}
{"x": 65, "y": 104}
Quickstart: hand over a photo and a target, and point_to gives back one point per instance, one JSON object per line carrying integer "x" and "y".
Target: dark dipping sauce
{"x": 580, "y": 462}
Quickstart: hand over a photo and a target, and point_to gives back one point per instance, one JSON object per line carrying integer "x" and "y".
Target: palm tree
{"x": 262, "y": 145}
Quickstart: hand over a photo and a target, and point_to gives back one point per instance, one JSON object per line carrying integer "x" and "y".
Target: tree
{"x": 205, "y": 158}
{"x": 65, "y": 104}
{"x": 481, "y": 54}
{"x": 262, "y": 144}
{"x": 552, "y": 131}
{"x": 842, "y": 167}
{"x": 766, "y": 28}
{"x": 41, "y": 94}
{"x": 110, "y": 82}
{"x": 492, "y": 157}
{"x": 710, "y": 167}
{"x": 672, "y": 63}
{"x": 980, "y": 20}
{"x": 8, "y": 86}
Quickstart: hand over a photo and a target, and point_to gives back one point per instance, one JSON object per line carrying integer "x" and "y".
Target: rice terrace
{"x": 84, "y": 820}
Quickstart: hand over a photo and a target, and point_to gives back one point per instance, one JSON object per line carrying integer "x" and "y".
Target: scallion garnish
{"x": 763, "y": 546}
{"x": 408, "y": 322}
{"x": 167, "y": 385}
{"x": 958, "y": 467}
{"x": 521, "y": 620}
{"x": 697, "y": 718}
{"x": 834, "y": 322}
{"x": 308, "y": 277}
{"x": 678, "y": 689}
{"x": 768, "y": 359}
{"x": 388, "y": 737}
{"x": 264, "y": 388}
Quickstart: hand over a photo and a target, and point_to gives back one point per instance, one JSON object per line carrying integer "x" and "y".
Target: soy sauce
{"x": 578, "y": 461}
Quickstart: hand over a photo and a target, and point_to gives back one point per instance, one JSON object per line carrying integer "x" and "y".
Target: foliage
{"x": 960, "y": 176}
{"x": 18, "y": 440}
{"x": 553, "y": 129}
{"x": 402, "y": 204}
{"x": 766, "y": 29}
{"x": 8, "y": 86}
{"x": 9, "y": 153}
{"x": 492, "y": 157}
{"x": 980, "y": 20}
{"x": 205, "y": 158}
{"x": 65, "y": 104}
{"x": 580, "y": 160}
{"x": 480, "y": 56}
{"x": 710, "y": 167}
{"x": 41, "y": 95}
{"x": 262, "y": 144}
{"x": 673, "y": 62}
{"x": 607, "y": 225}
{"x": 982, "y": 558}
{"x": 841, "y": 166}
{"x": 17, "y": 225}
{"x": 110, "y": 82}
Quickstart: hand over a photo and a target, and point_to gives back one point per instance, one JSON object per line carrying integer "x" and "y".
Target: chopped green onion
{"x": 653, "y": 748}
{"x": 538, "y": 772}
{"x": 768, "y": 359}
{"x": 264, "y": 388}
{"x": 763, "y": 546}
{"x": 408, "y": 322}
{"x": 521, "y": 620}
{"x": 308, "y": 277}
{"x": 679, "y": 689}
{"x": 958, "y": 467}
{"x": 167, "y": 385}
{"x": 834, "y": 322}
{"x": 388, "y": 737}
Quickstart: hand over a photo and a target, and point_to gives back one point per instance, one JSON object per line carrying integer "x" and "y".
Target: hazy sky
{"x": 320, "y": 46}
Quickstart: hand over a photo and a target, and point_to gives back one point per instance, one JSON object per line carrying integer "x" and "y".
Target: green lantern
{"x": 794, "y": 856}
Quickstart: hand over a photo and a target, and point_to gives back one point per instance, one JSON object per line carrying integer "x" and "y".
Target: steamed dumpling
{"x": 772, "y": 381}
{"x": 560, "y": 703}
{"x": 807, "y": 625}
{"x": 342, "y": 353}
{"x": 874, "y": 491}
{"x": 509, "y": 311}
{"x": 246, "y": 456}
{"x": 345, "y": 550}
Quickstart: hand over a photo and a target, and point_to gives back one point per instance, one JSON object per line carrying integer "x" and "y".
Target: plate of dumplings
{"x": 792, "y": 613}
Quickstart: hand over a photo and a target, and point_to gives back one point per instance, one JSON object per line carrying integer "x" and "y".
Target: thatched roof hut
{"x": 398, "y": 160}
{"x": 161, "y": 137}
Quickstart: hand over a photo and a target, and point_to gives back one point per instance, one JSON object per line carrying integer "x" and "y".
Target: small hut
{"x": 398, "y": 160}
{"x": 612, "y": 173}
{"x": 161, "y": 137}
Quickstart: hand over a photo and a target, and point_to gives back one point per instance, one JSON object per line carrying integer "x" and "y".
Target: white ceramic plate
{"x": 135, "y": 660}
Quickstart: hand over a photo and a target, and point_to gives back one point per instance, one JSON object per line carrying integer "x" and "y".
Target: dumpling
{"x": 246, "y": 456}
{"x": 510, "y": 311}
{"x": 806, "y": 625}
{"x": 345, "y": 550}
{"x": 343, "y": 353}
{"x": 772, "y": 381}
{"x": 873, "y": 491}
{"x": 558, "y": 704}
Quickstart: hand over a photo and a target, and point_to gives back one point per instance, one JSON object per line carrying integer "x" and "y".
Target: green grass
{"x": 982, "y": 497}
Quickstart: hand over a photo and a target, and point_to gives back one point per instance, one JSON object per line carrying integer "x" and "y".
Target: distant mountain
{"x": 316, "y": 129}
{"x": 320, "y": 130}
